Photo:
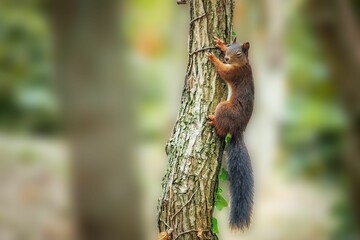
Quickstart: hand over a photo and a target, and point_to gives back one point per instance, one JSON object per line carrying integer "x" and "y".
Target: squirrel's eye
{"x": 238, "y": 53}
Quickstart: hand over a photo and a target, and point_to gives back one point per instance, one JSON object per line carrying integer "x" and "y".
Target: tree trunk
{"x": 97, "y": 107}
{"x": 195, "y": 152}
{"x": 335, "y": 23}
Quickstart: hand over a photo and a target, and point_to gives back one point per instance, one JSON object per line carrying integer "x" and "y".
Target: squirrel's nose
{"x": 227, "y": 59}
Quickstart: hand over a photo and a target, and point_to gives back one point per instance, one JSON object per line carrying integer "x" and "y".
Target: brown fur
{"x": 233, "y": 115}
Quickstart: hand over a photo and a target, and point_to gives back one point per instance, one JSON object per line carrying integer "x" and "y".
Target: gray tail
{"x": 241, "y": 183}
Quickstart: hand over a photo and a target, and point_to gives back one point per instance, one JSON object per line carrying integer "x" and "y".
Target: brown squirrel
{"x": 231, "y": 117}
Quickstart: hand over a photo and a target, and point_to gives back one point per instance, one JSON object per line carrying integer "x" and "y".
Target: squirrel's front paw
{"x": 211, "y": 56}
{"x": 219, "y": 43}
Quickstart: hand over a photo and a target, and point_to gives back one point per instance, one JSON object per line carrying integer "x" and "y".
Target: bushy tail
{"x": 241, "y": 183}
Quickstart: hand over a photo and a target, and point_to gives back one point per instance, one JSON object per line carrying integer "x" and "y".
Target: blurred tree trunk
{"x": 97, "y": 105}
{"x": 194, "y": 151}
{"x": 336, "y": 22}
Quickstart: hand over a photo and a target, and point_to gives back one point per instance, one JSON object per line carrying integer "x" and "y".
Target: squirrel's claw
{"x": 220, "y": 44}
{"x": 211, "y": 56}
{"x": 216, "y": 39}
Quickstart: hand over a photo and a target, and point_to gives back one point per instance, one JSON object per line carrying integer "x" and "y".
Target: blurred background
{"x": 304, "y": 137}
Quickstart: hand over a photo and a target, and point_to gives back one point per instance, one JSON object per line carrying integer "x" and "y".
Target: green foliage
{"x": 224, "y": 175}
{"x": 314, "y": 124}
{"x": 313, "y": 133}
{"x": 227, "y": 139}
{"x": 220, "y": 201}
{"x": 214, "y": 226}
{"x": 347, "y": 228}
{"x": 27, "y": 100}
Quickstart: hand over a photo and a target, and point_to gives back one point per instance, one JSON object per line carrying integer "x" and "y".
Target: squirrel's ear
{"x": 234, "y": 41}
{"x": 245, "y": 47}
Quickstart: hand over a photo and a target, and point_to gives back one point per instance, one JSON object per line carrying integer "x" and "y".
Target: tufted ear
{"x": 245, "y": 47}
{"x": 234, "y": 41}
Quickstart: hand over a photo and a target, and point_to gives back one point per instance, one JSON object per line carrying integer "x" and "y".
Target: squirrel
{"x": 231, "y": 117}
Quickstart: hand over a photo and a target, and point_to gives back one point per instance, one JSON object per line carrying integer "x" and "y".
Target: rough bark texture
{"x": 194, "y": 151}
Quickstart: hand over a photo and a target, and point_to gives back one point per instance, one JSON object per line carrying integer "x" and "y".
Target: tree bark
{"x": 194, "y": 151}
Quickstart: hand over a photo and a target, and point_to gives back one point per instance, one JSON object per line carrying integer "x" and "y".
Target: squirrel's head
{"x": 237, "y": 53}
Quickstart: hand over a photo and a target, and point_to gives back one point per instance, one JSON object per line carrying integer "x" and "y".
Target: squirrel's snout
{"x": 227, "y": 59}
